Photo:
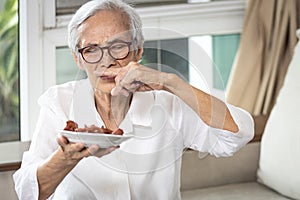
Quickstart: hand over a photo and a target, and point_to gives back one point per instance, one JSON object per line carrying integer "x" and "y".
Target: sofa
{"x": 263, "y": 170}
{"x": 232, "y": 178}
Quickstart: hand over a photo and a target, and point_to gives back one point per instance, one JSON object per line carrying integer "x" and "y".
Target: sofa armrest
{"x": 210, "y": 171}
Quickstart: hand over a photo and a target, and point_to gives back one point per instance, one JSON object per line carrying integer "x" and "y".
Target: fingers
{"x": 135, "y": 77}
{"x": 108, "y": 72}
{"x": 95, "y": 150}
{"x": 118, "y": 90}
{"x": 62, "y": 141}
{"x": 71, "y": 151}
{"x": 67, "y": 146}
{"x": 77, "y": 151}
{"x": 129, "y": 80}
{"x": 125, "y": 89}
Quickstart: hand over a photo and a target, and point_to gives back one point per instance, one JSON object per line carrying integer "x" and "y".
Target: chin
{"x": 104, "y": 89}
{"x": 104, "y": 86}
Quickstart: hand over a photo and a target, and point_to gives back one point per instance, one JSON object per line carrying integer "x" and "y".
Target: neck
{"x": 112, "y": 109}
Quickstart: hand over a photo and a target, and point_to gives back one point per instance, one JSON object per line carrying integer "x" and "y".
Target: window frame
{"x": 41, "y": 32}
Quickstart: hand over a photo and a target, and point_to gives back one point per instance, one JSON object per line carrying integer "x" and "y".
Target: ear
{"x": 77, "y": 60}
{"x": 139, "y": 53}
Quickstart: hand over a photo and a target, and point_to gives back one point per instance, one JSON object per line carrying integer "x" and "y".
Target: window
{"x": 66, "y": 68}
{"x": 168, "y": 56}
{"x": 221, "y": 50}
{"x": 9, "y": 71}
{"x": 67, "y": 7}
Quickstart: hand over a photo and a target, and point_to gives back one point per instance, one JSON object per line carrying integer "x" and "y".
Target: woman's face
{"x": 105, "y": 28}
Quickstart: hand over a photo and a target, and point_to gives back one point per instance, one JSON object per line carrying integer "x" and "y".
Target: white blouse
{"x": 144, "y": 167}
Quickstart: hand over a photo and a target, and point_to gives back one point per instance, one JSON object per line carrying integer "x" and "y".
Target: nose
{"x": 107, "y": 61}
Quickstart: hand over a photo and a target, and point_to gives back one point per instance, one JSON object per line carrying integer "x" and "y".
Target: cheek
{"x": 90, "y": 71}
{"x": 79, "y": 62}
{"x": 131, "y": 57}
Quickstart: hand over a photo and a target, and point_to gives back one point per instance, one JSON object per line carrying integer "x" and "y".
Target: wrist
{"x": 168, "y": 81}
{"x": 52, "y": 172}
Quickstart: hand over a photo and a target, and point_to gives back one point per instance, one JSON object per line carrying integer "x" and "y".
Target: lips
{"x": 108, "y": 78}
{"x": 105, "y": 76}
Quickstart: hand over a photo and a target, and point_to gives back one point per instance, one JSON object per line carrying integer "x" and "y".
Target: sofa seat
{"x": 239, "y": 191}
{"x": 231, "y": 178}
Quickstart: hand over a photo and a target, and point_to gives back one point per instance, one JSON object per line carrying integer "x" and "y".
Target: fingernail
{"x": 114, "y": 91}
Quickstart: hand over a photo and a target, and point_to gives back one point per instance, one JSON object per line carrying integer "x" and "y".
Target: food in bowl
{"x": 73, "y": 126}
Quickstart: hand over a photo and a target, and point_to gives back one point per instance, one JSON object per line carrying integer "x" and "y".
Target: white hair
{"x": 92, "y": 7}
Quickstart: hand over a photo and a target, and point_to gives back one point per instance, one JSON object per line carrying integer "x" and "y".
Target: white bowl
{"x": 101, "y": 139}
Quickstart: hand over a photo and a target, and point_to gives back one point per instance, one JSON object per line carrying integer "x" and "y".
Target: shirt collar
{"x": 140, "y": 108}
{"x": 139, "y": 113}
{"x": 83, "y": 109}
{"x": 85, "y": 113}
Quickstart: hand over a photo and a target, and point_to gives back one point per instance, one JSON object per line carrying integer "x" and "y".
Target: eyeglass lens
{"x": 93, "y": 54}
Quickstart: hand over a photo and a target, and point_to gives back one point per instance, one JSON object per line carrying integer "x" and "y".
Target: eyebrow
{"x": 115, "y": 40}
{"x": 108, "y": 42}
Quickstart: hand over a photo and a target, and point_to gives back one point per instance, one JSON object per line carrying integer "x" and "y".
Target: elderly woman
{"x": 165, "y": 114}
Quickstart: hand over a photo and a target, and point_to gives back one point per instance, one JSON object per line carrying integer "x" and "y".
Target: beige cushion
{"x": 280, "y": 147}
{"x": 242, "y": 191}
{"x": 211, "y": 171}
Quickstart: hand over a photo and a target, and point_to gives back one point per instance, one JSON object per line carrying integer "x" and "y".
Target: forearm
{"x": 211, "y": 110}
{"x": 52, "y": 172}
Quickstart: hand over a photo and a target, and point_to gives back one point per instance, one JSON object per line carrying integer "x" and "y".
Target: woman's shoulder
{"x": 61, "y": 92}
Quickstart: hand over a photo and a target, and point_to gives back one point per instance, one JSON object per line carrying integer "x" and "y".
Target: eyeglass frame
{"x": 80, "y": 50}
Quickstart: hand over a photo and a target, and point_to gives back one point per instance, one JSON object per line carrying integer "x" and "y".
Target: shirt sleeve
{"x": 218, "y": 142}
{"x": 42, "y": 146}
{"x": 25, "y": 179}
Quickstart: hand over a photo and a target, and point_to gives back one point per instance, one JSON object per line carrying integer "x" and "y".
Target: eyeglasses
{"x": 93, "y": 53}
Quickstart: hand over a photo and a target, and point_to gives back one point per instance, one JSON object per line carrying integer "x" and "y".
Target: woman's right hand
{"x": 74, "y": 152}
{"x": 70, "y": 153}
{"x": 54, "y": 170}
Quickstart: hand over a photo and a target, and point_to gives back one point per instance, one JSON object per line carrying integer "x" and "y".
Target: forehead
{"x": 103, "y": 27}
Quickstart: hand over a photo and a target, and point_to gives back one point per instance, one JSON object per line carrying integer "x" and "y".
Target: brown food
{"x": 73, "y": 126}
{"x": 118, "y": 132}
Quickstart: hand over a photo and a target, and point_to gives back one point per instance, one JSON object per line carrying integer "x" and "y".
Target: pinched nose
{"x": 107, "y": 61}
{"x": 112, "y": 72}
